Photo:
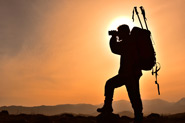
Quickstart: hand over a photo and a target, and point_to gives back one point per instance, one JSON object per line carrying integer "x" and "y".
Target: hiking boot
{"x": 138, "y": 118}
{"x": 107, "y": 107}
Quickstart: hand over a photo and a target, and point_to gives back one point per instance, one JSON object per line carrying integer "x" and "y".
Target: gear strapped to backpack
{"x": 147, "y": 55}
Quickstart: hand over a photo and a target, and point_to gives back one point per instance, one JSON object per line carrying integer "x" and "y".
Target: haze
{"x": 57, "y": 51}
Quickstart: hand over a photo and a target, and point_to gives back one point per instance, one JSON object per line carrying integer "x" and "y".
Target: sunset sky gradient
{"x": 57, "y": 51}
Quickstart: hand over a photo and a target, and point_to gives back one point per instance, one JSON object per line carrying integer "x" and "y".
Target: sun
{"x": 119, "y": 21}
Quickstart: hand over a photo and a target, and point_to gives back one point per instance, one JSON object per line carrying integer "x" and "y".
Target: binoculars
{"x": 113, "y": 32}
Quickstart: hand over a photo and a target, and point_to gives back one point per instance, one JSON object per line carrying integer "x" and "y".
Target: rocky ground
{"x": 70, "y": 118}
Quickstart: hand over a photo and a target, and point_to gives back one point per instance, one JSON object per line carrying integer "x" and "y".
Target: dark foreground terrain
{"x": 70, "y": 118}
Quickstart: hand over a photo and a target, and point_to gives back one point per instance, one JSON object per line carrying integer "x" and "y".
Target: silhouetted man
{"x": 129, "y": 73}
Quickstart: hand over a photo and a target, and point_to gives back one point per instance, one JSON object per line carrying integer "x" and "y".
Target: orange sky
{"x": 56, "y": 52}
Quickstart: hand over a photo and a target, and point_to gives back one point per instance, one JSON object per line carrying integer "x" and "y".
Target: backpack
{"x": 146, "y": 53}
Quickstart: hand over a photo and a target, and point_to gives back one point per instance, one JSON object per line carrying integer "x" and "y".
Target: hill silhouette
{"x": 121, "y": 107}
{"x": 51, "y": 110}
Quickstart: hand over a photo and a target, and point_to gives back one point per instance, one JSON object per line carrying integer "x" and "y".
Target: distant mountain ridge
{"x": 121, "y": 107}
{"x": 52, "y": 110}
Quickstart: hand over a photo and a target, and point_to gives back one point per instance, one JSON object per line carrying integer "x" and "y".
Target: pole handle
{"x": 143, "y": 12}
{"x": 144, "y": 17}
{"x": 135, "y": 8}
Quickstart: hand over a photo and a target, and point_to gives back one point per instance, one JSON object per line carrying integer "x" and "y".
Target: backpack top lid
{"x": 139, "y": 31}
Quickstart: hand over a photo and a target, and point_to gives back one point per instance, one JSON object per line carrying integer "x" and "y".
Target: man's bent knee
{"x": 109, "y": 84}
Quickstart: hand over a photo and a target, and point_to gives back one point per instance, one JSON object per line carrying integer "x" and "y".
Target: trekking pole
{"x": 144, "y": 17}
{"x": 138, "y": 16}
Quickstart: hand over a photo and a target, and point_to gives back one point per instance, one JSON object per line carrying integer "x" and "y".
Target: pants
{"x": 132, "y": 86}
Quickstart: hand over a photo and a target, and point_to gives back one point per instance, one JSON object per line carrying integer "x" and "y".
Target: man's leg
{"x": 135, "y": 99}
{"x": 110, "y": 85}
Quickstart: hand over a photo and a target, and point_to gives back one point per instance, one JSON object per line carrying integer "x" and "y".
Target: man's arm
{"x": 116, "y": 47}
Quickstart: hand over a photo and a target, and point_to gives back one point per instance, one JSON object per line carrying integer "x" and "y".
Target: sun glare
{"x": 119, "y": 21}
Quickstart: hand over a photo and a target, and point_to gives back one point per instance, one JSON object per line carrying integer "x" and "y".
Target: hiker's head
{"x": 123, "y": 31}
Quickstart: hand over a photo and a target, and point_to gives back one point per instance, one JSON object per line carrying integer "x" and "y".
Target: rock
{"x": 4, "y": 112}
{"x": 153, "y": 115}
{"x": 108, "y": 118}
